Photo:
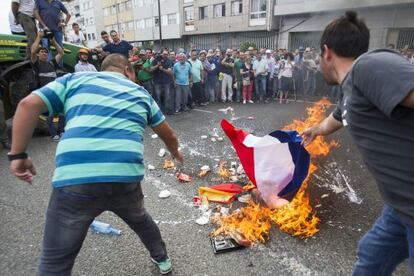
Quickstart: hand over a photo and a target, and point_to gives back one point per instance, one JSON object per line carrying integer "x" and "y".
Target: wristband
{"x": 12, "y": 157}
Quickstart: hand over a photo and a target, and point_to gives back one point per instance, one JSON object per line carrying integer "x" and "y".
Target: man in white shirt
{"x": 76, "y": 36}
{"x": 83, "y": 64}
{"x": 23, "y": 11}
{"x": 260, "y": 69}
{"x": 270, "y": 73}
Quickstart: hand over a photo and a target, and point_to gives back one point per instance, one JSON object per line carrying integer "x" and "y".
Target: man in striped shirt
{"x": 99, "y": 160}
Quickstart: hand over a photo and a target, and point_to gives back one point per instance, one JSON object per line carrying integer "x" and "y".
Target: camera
{"x": 48, "y": 34}
{"x": 158, "y": 57}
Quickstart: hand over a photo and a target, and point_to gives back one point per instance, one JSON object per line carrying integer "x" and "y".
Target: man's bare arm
{"x": 167, "y": 135}
{"x": 15, "y": 11}
{"x": 39, "y": 18}
{"x": 328, "y": 126}
{"x": 409, "y": 100}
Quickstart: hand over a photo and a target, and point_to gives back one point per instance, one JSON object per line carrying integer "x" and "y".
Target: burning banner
{"x": 253, "y": 223}
{"x": 276, "y": 164}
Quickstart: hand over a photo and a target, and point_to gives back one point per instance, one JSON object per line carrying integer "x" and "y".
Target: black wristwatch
{"x": 12, "y": 157}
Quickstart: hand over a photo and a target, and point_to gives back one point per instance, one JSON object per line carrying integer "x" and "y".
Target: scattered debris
{"x": 161, "y": 153}
{"x": 213, "y": 139}
{"x": 169, "y": 164}
{"x": 223, "y": 172}
{"x": 226, "y": 110}
{"x": 100, "y": 227}
{"x": 183, "y": 177}
{"x": 224, "y": 244}
{"x": 250, "y": 118}
{"x": 196, "y": 201}
{"x": 324, "y": 195}
{"x": 233, "y": 178}
{"x": 240, "y": 169}
{"x": 204, "y": 170}
{"x": 203, "y": 220}
{"x": 318, "y": 206}
{"x": 204, "y": 137}
{"x": 151, "y": 167}
{"x": 164, "y": 194}
{"x": 154, "y": 136}
{"x": 220, "y": 139}
{"x": 244, "y": 198}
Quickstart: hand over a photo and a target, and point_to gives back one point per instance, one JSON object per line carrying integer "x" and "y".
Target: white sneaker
{"x": 250, "y": 101}
{"x": 244, "y": 102}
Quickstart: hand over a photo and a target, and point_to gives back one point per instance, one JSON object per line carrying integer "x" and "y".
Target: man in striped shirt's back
{"x": 99, "y": 160}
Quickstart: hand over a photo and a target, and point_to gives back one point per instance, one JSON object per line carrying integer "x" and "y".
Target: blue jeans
{"x": 389, "y": 242}
{"x": 163, "y": 97}
{"x": 51, "y": 126}
{"x": 73, "y": 208}
{"x": 211, "y": 87}
{"x": 59, "y": 39}
{"x": 260, "y": 83}
{"x": 181, "y": 97}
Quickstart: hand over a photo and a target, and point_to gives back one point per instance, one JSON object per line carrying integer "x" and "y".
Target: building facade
{"x": 88, "y": 14}
{"x": 302, "y": 21}
{"x": 118, "y": 15}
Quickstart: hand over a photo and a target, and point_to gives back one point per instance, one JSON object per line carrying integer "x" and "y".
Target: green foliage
{"x": 245, "y": 45}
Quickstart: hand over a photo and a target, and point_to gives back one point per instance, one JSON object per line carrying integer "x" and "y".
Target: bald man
{"x": 99, "y": 160}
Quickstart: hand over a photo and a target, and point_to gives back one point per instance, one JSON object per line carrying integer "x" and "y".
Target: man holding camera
{"x": 47, "y": 12}
{"x": 162, "y": 80}
{"x": 45, "y": 72}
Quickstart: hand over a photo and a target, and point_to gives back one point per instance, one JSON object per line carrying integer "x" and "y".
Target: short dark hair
{"x": 347, "y": 36}
{"x": 148, "y": 49}
{"x": 74, "y": 24}
{"x": 115, "y": 60}
{"x": 113, "y": 31}
{"x": 104, "y": 33}
{"x": 42, "y": 48}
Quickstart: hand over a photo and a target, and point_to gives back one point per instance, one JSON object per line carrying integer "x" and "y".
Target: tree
{"x": 245, "y": 45}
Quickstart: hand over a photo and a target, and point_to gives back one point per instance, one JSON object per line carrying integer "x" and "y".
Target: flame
{"x": 223, "y": 171}
{"x": 297, "y": 218}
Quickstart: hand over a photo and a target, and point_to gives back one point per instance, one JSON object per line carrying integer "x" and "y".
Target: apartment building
{"x": 88, "y": 14}
{"x": 302, "y": 21}
{"x": 147, "y": 22}
{"x": 227, "y": 23}
{"x": 118, "y": 15}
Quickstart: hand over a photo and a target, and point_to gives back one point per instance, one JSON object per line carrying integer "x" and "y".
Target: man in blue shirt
{"x": 118, "y": 46}
{"x": 47, "y": 12}
{"x": 182, "y": 80}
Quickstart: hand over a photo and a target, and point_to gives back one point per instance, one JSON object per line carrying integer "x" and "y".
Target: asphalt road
{"x": 343, "y": 190}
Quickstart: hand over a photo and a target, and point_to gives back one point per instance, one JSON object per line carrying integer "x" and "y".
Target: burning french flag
{"x": 277, "y": 163}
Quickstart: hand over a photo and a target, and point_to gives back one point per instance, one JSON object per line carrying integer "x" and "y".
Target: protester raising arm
{"x": 39, "y": 18}
{"x": 35, "y": 46}
{"x": 59, "y": 50}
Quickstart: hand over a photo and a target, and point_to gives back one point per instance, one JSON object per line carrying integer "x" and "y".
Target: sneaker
{"x": 177, "y": 112}
{"x": 250, "y": 101}
{"x": 165, "y": 267}
{"x": 56, "y": 138}
{"x": 244, "y": 102}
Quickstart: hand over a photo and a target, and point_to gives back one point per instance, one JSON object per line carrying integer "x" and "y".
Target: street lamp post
{"x": 159, "y": 22}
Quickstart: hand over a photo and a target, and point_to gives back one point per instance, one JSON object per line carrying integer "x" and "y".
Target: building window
{"x": 91, "y": 21}
{"x": 219, "y": 10}
{"x": 236, "y": 7}
{"x": 139, "y": 3}
{"x": 121, "y": 7}
{"x": 172, "y": 19}
{"x": 93, "y": 36}
{"x": 140, "y": 24}
{"x": 258, "y": 9}
{"x": 131, "y": 25}
{"x": 156, "y": 21}
{"x": 128, "y": 5}
{"x": 164, "y": 20}
{"x": 89, "y": 36}
{"x": 189, "y": 18}
{"x": 113, "y": 10}
{"x": 149, "y": 22}
{"x": 202, "y": 11}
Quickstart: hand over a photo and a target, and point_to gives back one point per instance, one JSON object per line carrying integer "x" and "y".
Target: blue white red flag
{"x": 277, "y": 163}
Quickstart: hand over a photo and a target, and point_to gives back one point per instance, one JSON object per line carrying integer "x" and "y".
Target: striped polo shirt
{"x": 106, "y": 115}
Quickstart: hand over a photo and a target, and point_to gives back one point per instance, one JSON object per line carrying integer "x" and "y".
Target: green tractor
{"x": 16, "y": 73}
